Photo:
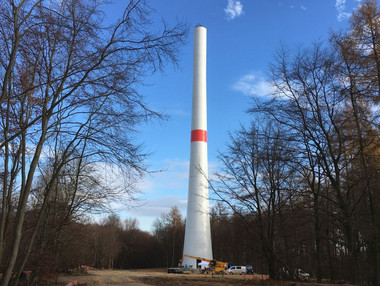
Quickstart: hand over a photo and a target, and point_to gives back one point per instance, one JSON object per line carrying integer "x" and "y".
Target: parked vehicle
{"x": 177, "y": 270}
{"x": 237, "y": 270}
{"x": 214, "y": 266}
{"x": 249, "y": 269}
{"x": 302, "y": 275}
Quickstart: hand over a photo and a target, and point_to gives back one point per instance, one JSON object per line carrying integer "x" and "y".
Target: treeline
{"x": 114, "y": 243}
{"x": 111, "y": 243}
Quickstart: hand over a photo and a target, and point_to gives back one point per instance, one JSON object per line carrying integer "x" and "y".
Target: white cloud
{"x": 254, "y": 84}
{"x": 173, "y": 177}
{"x": 155, "y": 207}
{"x": 177, "y": 112}
{"x": 340, "y": 6}
{"x": 147, "y": 211}
{"x": 234, "y": 9}
{"x": 160, "y": 191}
{"x": 163, "y": 191}
{"x": 340, "y": 3}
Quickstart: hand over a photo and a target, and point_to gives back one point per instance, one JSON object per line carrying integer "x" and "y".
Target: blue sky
{"x": 242, "y": 39}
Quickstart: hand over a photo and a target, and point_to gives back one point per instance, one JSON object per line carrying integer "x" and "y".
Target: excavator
{"x": 214, "y": 267}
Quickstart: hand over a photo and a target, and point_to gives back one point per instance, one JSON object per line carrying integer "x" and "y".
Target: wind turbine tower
{"x": 197, "y": 232}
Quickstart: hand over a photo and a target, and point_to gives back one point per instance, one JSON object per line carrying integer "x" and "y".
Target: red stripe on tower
{"x": 199, "y": 135}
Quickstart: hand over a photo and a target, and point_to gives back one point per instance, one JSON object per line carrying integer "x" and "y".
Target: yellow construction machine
{"x": 214, "y": 266}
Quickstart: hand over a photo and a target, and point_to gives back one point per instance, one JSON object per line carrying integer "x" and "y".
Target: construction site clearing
{"x": 146, "y": 277}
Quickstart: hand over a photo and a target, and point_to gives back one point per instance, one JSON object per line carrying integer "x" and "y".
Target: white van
{"x": 237, "y": 270}
{"x": 302, "y": 275}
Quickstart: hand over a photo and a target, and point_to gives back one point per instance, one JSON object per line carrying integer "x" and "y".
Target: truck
{"x": 213, "y": 267}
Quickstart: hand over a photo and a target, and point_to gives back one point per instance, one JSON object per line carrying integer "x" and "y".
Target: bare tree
{"x": 323, "y": 97}
{"x": 222, "y": 232}
{"x": 255, "y": 181}
{"x": 65, "y": 74}
{"x": 169, "y": 231}
{"x": 316, "y": 162}
{"x": 358, "y": 54}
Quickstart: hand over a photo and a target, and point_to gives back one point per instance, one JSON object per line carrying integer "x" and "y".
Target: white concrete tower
{"x": 197, "y": 232}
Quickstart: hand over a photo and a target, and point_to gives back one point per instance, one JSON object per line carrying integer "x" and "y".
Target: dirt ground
{"x": 154, "y": 277}
{"x": 160, "y": 277}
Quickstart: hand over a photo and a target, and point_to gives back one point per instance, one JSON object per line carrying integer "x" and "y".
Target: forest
{"x": 297, "y": 188}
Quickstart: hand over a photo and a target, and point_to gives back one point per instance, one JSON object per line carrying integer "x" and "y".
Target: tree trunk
{"x": 24, "y": 194}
